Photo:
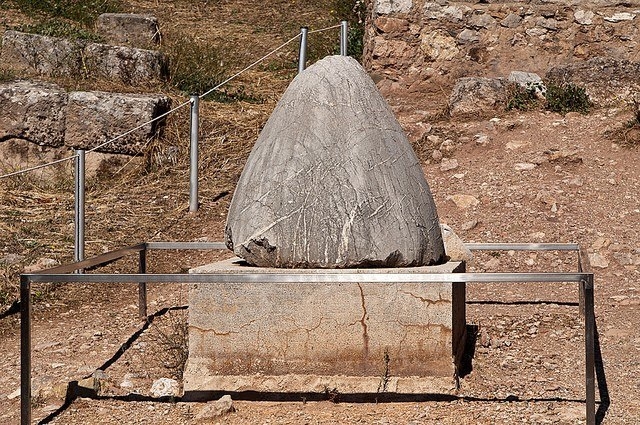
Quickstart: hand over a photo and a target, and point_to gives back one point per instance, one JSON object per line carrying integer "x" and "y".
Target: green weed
{"x": 523, "y": 98}
{"x": 59, "y": 28}
{"x": 567, "y": 97}
{"x": 6, "y": 75}
{"x": 83, "y": 12}
{"x": 195, "y": 67}
{"x": 352, "y": 11}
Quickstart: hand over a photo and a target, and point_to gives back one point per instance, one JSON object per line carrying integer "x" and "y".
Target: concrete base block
{"x": 351, "y": 337}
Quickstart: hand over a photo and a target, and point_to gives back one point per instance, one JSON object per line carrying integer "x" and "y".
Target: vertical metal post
{"x": 302, "y": 54}
{"x": 25, "y": 351}
{"x": 142, "y": 286}
{"x": 589, "y": 347}
{"x": 78, "y": 254}
{"x": 344, "y": 32}
{"x": 193, "y": 177}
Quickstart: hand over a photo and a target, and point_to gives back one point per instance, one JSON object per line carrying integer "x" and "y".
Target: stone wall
{"x": 420, "y": 47}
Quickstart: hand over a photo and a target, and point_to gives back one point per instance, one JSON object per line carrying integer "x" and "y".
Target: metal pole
{"x": 302, "y": 55}
{"x": 78, "y": 254}
{"x": 142, "y": 286}
{"x": 25, "y": 351}
{"x": 589, "y": 342}
{"x": 193, "y": 179}
{"x": 344, "y": 31}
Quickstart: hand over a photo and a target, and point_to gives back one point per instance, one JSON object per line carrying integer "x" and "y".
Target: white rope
{"x": 37, "y": 167}
{"x": 182, "y": 105}
{"x": 325, "y": 29}
{"x": 120, "y": 136}
{"x": 250, "y": 66}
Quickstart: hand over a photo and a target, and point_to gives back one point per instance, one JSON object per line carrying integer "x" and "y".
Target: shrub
{"x": 354, "y": 12}
{"x": 523, "y": 98}
{"x": 6, "y": 75}
{"x": 567, "y": 97}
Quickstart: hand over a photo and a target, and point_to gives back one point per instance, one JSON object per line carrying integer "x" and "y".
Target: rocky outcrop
{"x": 53, "y": 56}
{"x": 473, "y": 97}
{"x": 129, "y": 29}
{"x": 607, "y": 81}
{"x": 424, "y": 47}
{"x": 333, "y": 182}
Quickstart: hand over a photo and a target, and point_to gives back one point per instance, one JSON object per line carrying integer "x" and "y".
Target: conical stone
{"x": 332, "y": 181}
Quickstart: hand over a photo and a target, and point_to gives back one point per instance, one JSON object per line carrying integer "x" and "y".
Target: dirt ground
{"x": 527, "y": 176}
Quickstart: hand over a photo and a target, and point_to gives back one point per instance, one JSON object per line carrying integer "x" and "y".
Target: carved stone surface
{"x": 33, "y": 112}
{"x": 129, "y": 29}
{"x": 53, "y": 56}
{"x": 356, "y": 337}
{"x": 43, "y": 55}
{"x": 332, "y": 181}
{"x": 95, "y": 117}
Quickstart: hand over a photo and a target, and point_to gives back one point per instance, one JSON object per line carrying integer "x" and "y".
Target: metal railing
{"x": 68, "y": 273}
{"x": 79, "y": 154}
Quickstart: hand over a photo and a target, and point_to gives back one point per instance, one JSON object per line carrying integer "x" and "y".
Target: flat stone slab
{"x": 351, "y": 337}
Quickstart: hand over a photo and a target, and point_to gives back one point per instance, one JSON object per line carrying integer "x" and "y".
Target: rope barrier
{"x": 120, "y": 136}
{"x": 250, "y": 66}
{"x": 325, "y": 29}
{"x": 37, "y": 167}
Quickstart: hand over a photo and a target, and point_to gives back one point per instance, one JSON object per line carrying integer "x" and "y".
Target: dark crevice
{"x": 13, "y": 309}
{"x": 601, "y": 379}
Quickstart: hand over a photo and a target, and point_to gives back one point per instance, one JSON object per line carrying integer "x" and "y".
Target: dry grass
{"x": 147, "y": 199}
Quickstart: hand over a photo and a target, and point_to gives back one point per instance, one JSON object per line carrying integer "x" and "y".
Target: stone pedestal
{"x": 351, "y": 337}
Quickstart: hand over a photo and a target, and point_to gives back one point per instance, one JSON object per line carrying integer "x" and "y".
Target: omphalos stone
{"x": 332, "y": 181}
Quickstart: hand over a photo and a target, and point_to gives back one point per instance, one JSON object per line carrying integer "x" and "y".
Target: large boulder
{"x": 95, "y": 117}
{"x": 477, "y": 96}
{"x": 128, "y": 65}
{"x": 33, "y": 112}
{"x": 608, "y": 81}
{"x": 333, "y": 182}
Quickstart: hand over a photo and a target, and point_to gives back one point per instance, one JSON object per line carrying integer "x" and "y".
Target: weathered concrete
{"x": 355, "y": 337}
{"x": 129, "y": 29}
{"x": 95, "y": 117}
{"x": 332, "y": 181}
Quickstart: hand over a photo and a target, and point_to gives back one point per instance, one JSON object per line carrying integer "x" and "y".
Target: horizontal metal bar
{"x": 94, "y": 261}
{"x": 522, "y": 246}
{"x": 324, "y": 276}
{"x": 186, "y": 245}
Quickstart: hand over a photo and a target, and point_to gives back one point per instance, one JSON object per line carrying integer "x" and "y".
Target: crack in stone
{"x": 427, "y": 301}
{"x": 220, "y": 333}
{"x": 365, "y": 334}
